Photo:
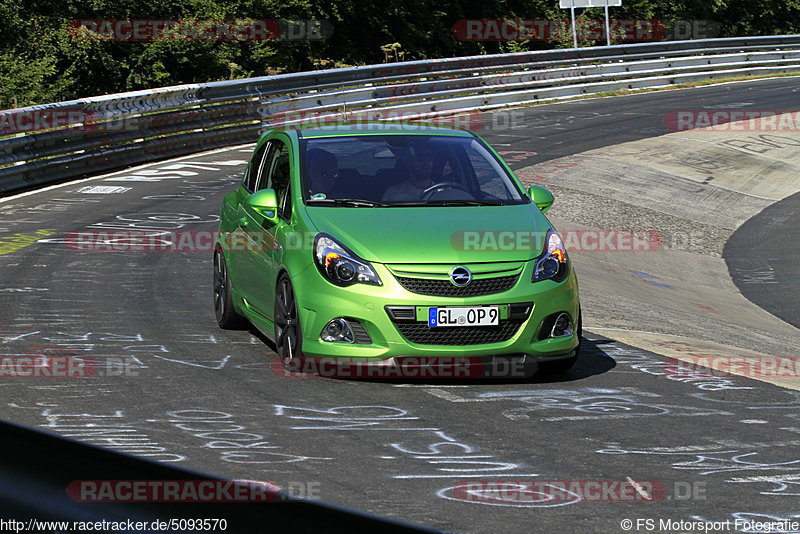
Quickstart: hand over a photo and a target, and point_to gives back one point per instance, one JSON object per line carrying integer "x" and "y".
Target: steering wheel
{"x": 441, "y": 186}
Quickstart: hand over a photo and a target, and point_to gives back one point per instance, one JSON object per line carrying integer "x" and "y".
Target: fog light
{"x": 562, "y": 327}
{"x": 338, "y": 331}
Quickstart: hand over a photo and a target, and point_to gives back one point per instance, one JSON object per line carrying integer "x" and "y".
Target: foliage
{"x": 42, "y": 61}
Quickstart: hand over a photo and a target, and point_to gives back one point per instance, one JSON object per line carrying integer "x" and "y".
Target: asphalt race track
{"x": 770, "y": 280}
{"x": 637, "y": 430}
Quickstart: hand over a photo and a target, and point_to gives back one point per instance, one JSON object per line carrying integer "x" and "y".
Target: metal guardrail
{"x": 114, "y": 131}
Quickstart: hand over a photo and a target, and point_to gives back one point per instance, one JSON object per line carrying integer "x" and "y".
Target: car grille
{"x": 444, "y": 288}
{"x": 422, "y": 334}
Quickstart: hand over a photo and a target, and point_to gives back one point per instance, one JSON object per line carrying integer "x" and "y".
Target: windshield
{"x": 404, "y": 170}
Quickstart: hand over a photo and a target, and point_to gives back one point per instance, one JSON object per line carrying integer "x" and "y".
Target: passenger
{"x": 322, "y": 173}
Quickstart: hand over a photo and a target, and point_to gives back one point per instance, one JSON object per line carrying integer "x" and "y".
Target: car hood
{"x": 452, "y": 234}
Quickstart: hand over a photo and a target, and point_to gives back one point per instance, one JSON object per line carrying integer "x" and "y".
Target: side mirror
{"x": 541, "y": 197}
{"x": 265, "y": 203}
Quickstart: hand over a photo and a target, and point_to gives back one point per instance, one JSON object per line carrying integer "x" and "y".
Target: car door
{"x": 283, "y": 231}
{"x": 257, "y": 262}
{"x": 236, "y": 237}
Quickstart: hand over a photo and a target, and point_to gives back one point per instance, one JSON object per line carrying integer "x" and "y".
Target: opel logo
{"x": 460, "y": 276}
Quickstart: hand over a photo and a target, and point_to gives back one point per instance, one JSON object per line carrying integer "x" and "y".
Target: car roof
{"x": 360, "y": 128}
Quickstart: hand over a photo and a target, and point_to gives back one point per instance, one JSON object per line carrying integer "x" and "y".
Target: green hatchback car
{"x": 382, "y": 244}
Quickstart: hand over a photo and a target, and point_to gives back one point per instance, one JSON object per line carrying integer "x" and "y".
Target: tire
{"x": 224, "y": 312}
{"x": 562, "y": 366}
{"x": 288, "y": 333}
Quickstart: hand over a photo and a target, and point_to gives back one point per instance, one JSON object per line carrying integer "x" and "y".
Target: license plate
{"x": 465, "y": 316}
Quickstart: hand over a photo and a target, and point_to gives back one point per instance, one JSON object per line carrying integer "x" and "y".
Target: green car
{"x": 387, "y": 244}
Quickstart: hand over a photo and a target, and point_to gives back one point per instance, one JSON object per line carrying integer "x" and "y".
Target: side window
{"x": 275, "y": 175}
{"x": 254, "y": 167}
{"x": 285, "y": 210}
{"x": 262, "y": 173}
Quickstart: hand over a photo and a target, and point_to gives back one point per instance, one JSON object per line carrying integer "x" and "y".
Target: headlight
{"x": 340, "y": 266}
{"x": 553, "y": 264}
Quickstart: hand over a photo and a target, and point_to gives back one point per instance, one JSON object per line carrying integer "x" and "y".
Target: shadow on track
{"x": 591, "y": 361}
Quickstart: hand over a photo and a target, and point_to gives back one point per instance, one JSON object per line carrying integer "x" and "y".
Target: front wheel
{"x": 288, "y": 335}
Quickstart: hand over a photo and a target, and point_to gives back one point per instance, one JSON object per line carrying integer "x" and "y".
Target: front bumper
{"x": 390, "y": 336}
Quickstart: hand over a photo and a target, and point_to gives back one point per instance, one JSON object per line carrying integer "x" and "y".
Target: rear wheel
{"x": 223, "y": 301}
{"x": 288, "y": 335}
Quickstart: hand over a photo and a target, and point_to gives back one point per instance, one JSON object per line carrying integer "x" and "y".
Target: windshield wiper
{"x": 353, "y": 202}
{"x": 447, "y": 203}
{"x": 363, "y": 203}
{"x": 470, "y": 202}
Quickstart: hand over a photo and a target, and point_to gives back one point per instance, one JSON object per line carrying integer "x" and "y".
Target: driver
{"x": 418, "y": 164}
